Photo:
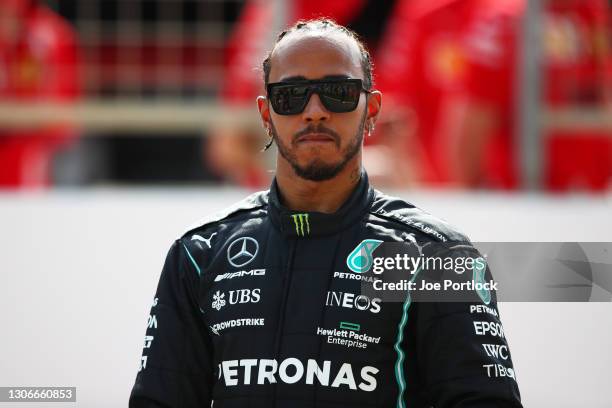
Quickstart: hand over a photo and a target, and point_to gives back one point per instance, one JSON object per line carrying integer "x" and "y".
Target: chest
{"x": 317, "y": 288}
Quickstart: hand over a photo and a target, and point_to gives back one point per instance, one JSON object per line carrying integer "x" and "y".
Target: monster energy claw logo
{"x": 360, "y": 259}
{"x": 300, "y": 221}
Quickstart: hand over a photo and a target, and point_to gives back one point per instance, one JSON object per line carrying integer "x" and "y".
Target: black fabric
{"x": 319, "y": 224}
{"x": 252, "y": 311}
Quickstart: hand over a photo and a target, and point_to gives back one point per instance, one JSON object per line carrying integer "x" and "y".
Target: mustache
{"x": 317, "y": 129}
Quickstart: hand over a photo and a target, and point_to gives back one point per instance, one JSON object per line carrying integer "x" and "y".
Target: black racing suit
{"x": 260, "y": 307}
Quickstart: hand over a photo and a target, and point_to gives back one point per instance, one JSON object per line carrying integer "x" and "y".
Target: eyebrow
{"x": 303, "y": 78}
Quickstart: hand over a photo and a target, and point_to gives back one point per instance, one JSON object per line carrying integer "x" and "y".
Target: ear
{"x": 373, "y": 107}
{"x": 264, "y": 111}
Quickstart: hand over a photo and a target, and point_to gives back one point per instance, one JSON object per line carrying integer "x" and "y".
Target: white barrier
{"x": 79, "y": 270}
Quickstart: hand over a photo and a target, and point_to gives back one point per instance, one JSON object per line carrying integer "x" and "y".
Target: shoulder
{"x": 203, "y": 241}
{"x": 411, "y": 217}
{"x": 252, "y": 206}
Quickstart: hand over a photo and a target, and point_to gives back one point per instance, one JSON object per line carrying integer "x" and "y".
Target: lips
{"x": 315, "y": 137}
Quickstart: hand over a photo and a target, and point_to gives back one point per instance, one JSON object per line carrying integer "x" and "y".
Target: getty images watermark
{"x": 412, "y": 265}
{"x": 480, "y": 272}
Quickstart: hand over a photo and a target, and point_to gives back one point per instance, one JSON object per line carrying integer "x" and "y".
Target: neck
{"x": 326, "y": 196}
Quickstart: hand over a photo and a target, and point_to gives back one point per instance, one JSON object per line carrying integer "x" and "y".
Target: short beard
{"x": 317, "y": 170}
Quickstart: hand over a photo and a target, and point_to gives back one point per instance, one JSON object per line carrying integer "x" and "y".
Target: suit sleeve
{"x": 461, "y": 349}
{"x": 176, "y": 369}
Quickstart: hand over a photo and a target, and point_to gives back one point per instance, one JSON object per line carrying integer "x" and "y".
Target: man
{"x": 425, "y": 46}
{"x": 230, "y": 151}
{"x": 38, "y": 63}
{"x": 458, "y": 61}
{"x": 263, "y": 306}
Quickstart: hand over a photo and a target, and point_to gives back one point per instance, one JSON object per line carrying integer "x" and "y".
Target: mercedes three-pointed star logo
{"x": 242, "y": 251}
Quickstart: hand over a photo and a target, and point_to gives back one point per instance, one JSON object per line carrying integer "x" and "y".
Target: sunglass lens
{"x": 288, "y": 99}
{"x": 341, "y": 96}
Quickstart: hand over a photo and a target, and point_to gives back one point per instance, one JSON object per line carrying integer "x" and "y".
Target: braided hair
{"x": 324, "y": 24}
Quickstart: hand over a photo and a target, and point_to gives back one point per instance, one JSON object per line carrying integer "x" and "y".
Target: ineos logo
{"x": 242, "y": 251}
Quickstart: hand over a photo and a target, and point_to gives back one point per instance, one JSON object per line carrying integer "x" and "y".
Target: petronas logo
{"x": 360, "y": 259}
{"x": 302, "y": 226}
{"x": 478, "y": 276}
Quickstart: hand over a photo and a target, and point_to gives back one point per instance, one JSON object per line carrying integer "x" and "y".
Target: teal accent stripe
{"x": 193, "y": 260}
{"x": 399, "y": 363}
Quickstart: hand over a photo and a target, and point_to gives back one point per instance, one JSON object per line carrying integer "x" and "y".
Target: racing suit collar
{"x": 295, "y": 224}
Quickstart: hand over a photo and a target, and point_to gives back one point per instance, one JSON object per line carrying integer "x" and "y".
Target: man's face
{"x": 316, "y": 143}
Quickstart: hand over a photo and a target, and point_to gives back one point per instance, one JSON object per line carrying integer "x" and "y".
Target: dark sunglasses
{"x": 337, "y": 95}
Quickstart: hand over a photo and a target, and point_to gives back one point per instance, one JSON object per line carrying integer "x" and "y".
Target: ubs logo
{"x": 239, "y": 296}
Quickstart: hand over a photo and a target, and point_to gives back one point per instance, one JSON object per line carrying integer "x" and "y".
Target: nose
{"x": 314, "y": 110}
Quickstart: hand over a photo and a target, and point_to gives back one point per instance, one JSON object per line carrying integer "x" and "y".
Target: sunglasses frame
{"x": 314, "y": 87}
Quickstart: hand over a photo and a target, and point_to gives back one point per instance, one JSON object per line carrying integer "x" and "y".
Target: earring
{"x": 370, "y": 129}
{"x": 269, "y": 144}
